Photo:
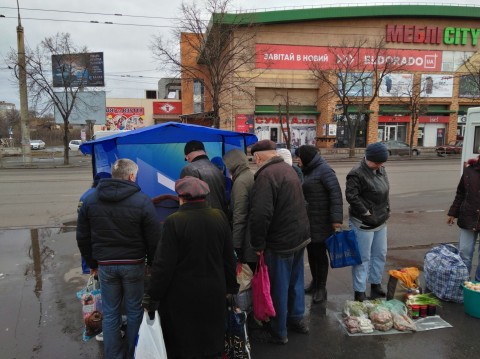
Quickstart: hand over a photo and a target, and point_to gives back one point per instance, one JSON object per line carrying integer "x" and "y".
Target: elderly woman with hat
{"x": 367, "y": 192}
{"x": 325, "y": 214}
{"x": 193, "y": 272}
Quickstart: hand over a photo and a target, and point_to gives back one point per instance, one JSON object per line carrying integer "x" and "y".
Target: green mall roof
{"x": 311, "y": 14}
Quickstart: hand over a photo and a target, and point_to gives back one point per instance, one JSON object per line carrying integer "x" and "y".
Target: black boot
{"x": 376, "y": 291}
{"x": 310, "y": 288}
{"x": 320, "y": 294}
{"x": 360, "y": 296}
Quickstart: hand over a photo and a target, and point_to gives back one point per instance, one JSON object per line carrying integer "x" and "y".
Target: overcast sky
{"x": 128, "y": 62}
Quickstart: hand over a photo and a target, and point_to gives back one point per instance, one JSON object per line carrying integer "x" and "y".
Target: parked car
{"x": 37, "y": 144}
{"x": 453, "y": 147}
{"x": 74, "y": 145}
{"x": 400, "y": 148}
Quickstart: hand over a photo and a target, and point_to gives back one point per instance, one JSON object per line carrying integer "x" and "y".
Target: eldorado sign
{"x": 294, "y": 57}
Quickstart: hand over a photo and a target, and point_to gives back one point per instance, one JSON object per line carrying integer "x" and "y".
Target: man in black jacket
{"x": 117, "y": 229}
{"x": 201, "y": 167}
{"x": 279, "y": 228}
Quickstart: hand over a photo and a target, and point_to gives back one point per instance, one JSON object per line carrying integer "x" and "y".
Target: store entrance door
{"x": 390, "y": 133}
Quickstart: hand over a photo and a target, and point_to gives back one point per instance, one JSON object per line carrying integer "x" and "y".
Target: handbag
{"x": 150, "y": 344}
{"x": 237, "y": 344}
{"x": 262, "y": 301}
{"x": 343, "y": 250}
{"x": 91, "y": 299}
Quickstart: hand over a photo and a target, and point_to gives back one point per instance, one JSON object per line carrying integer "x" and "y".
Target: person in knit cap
{"x": 465, "y": 209}
{"x": 325, "y": 214}
{"x": 367, "y": 192}
{"x": 287, "y": 157}
{"x": 195, "y": 255}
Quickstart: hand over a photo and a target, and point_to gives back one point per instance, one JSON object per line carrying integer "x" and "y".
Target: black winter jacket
{"x": 117, "y": 224}
{"x": 368, "y": 191}
{"x": 324, "y": 198}
{"x": 278, "y": 217}
{"x": 201, "y": 167}
{"x": 466, "y": 205}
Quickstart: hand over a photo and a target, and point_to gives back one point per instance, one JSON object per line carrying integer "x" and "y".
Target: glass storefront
{"x": 392, "y": 131}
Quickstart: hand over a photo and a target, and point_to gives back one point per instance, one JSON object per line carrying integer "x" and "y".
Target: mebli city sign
{"x": 432, "y": 34}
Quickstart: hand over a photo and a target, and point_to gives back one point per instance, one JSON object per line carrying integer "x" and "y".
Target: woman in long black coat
{"x": 193, "y": 271}
{"x": 325, "y": 214}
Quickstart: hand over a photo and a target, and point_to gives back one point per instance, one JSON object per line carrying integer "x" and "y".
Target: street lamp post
{"x": 22, "y": 80}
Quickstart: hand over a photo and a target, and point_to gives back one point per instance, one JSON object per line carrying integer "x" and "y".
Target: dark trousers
{"x": 318, "y": 261}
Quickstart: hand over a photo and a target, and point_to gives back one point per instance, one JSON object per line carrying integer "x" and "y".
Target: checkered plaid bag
{"x": 445, "y": 272}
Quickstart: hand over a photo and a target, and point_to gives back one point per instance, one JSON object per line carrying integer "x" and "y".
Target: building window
{"x": 198, "y": 96}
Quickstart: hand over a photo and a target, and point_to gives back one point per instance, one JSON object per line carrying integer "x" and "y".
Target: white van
{"x": 101, "y": 134}
{"x": 471, "y": 138}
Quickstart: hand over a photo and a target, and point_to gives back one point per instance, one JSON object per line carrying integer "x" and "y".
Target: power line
{"x": 89, "y": 22}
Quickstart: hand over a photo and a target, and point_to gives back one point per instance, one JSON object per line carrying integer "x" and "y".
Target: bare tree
{"x": 71, "y": 77}
{"x": 284, "y": 107}
{"x": 470, "y": 82}
{"x": 411, "y": 99}
{"x": 217, "y": 52}
{"x": 353, "y": 83}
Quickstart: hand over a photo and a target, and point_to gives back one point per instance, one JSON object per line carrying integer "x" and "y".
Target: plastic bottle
{"x": 408, "y": 294}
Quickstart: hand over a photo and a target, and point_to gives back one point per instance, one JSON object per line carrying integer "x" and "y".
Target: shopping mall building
{"x": 431, "y": 43}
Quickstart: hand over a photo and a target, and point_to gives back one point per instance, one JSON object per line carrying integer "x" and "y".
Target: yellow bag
{"x": 406, "y": 275}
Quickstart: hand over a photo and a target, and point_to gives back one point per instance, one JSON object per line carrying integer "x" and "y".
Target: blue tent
{"x": 158, "y": 151}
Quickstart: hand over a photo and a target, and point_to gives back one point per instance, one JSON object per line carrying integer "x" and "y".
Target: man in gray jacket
{"x": 201, "y": 167}
{"x": 242, "y": 177}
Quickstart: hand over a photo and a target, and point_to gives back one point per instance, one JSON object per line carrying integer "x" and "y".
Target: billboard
{"x": 167, "y": 107}
{"x": 469, "y": 86}
{"x": 396, "y": 85}
{"x": 436, "y": 85}
{"x": 244, "y": 123}
{"x": 88, "y": 106}
{"x": 125, "y": 118}
{"x": 295, "y": 57}
{"x": 78, "y": 70}
{"x": 356, "y": 84}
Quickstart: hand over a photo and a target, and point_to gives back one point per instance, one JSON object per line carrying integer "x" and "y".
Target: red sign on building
{"x": 244, "y": 123}
{"x": 393, "y": 118}
{"x": 293, "y": 57}
{"x": 167, "y": 108}
{"x": 434, "y": 119}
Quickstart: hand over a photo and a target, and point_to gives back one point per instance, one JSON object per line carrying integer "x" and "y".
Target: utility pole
{"x": 22, "y": 80}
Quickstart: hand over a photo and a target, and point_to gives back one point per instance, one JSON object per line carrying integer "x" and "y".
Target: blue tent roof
{"x": 158, "y": 151}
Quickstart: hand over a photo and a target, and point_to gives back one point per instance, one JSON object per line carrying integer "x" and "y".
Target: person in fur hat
{"x": 466, "y": 207}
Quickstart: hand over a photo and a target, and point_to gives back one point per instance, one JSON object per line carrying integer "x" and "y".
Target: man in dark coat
{"x": 201, "y": 167}
{"x": 117, "y": 228}
{"x": 193, "y": 272}
{"x": 325, "y": 214}
{"x": 466, "y": 207}
{"x": 279, "y": 228}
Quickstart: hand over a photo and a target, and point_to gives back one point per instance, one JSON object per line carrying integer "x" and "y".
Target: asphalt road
{"x": 40, "y": 269}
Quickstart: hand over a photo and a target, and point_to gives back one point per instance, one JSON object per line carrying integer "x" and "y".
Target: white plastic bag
{"x": 150, "y": 344}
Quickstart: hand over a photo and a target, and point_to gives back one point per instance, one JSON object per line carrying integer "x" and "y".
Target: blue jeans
{"x": 286, "y": 288}
{"x": 117, "y": 282}
{"x": 466, "y": 246}
{"x": 373, "y": 250}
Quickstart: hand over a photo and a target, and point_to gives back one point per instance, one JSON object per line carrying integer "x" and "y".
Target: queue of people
{"x": 192, "y": 262}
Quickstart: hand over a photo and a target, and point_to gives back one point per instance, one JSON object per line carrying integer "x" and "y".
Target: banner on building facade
{"x": 396, "y": 85}
{"x": 125, "y": 118}
{"x": 434, "y": 119}
{"x": 469, "y": 86}
{"x": 167, "y": 108}
{"x": 303, "y": 128}
{"x": 394, "y": 118}
{"x": 296, "y": 57}
{"x": 244, "y": 123}
{"x": 436, "y": 85}
{"x": 357, "y": 84}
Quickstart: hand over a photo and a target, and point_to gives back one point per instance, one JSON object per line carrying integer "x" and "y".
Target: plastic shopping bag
{"x": 343, "y": 249}
{"x": 91, "y": 300}
{"x": 444, "y": 272}
{"x": 150, "y": 344}
{"x": 262, "y": 301}
{"x": 237, "y": 344}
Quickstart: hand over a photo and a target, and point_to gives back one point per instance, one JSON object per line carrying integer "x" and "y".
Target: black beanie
{"x": 376, "y": 152}
{"x": 306, "y": 153}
